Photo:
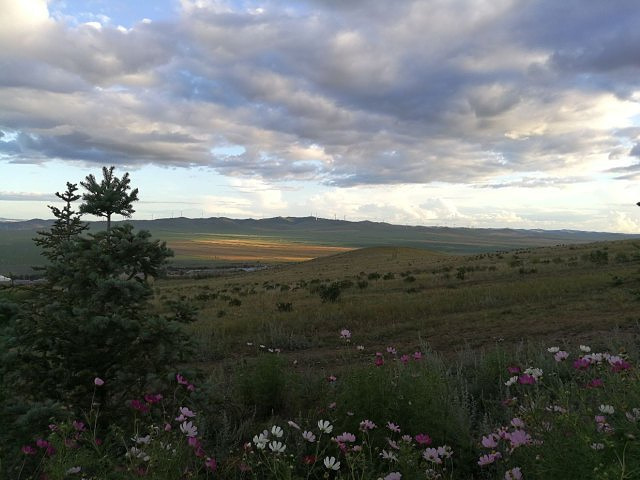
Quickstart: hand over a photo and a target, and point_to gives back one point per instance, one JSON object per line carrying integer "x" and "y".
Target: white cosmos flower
{"x": 189, "y": 429}
{"x": 511, "y": 381}
{"x": 277, "y": 447}
{"x": 585, "y": 348}
{"x": 309, "y": 436}
{"x": 553, "y": 349}
{"x": 276, "y": 431}
{"x": 392, "y": 457}
{"x": 261, "y": 440}
{"x": 325, "y": 426}
{"x": 331, "y": 464}
{"x": 607, "y": 409}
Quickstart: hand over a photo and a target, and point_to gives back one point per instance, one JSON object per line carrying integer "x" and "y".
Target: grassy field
{"x": 405, "y": 296}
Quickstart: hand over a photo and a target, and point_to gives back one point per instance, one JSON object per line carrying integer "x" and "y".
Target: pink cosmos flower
{"x": 392, "y": 350}
{"x": 518, "y": 438}
{"x": 167, "y": 427}
{"x": 98, "y": 382}
{"x": 560, "y": 356}
{"x": 431, "y": 455}
{"x": 489, "y": 459}
{"x": 393, "y": 476}
{"x": 595, "y": 383}
{"x": 78, "y": 426}
{"x": 517, "y": 422}
{"x": 367, "y": 425}
{"x": 181, "y": 380}
{"x": 41, "y": 443}
{"x": 490, "y": 441}
{"x": 379, "y": 360}
{"x": 513, "y": 369}
{"x": 332, "y": 378}
{"x": 153, "y": 398}
{"x": 211, "y": 464}
{"x": 619, "y": 364}
{"x": 404, "y": 358}
{"x": 417, "y": 355}
{"x": 526, "y": 379}
{"x": 139, "y": 405}
{"x": 346, "y": 437}
{"x": 423, "y": 439}
{"x": 581, "y": 364}
{"x": 393, "y": 427}
{"x": 345, "y": 334}
{"x": 28, "y": 450}
{"x": 513, "y": 474}
{"x": 185, "y": 411}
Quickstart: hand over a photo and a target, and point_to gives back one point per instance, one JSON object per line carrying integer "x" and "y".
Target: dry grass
{"x": 556, "y": 294}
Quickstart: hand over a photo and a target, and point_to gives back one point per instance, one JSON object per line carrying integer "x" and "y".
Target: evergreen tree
{"x": 91, "y": 318}
{"x": 109, "y": 196}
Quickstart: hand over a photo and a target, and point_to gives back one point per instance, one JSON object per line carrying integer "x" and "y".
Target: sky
{"x": 471, "y": 113}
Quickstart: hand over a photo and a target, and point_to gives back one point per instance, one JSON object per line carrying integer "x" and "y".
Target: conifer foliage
{"x": 91, "y": 317}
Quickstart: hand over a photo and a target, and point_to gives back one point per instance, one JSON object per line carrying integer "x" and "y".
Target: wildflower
{"x": 144, "y": 440}
{"x": 393, "y": 427}
{"x": 211, "y": 464}
{"x": 276, "y": 431}
{"x": 417, "y": 355}
{"x": 360, "y": 347}
{"x": 406, "y": 438}
{"x": 423, "y": 439}
{"x": 332, "y": 378}
{"x": 367, "y": 425}
{"x": 534, "y": 372}
{"x": 445, "y": 451}
{"x": 309, "y": 459}
{"x": 189, "y": 429}
{"x": 261, "y": 439}
{"x": 331, "y": 464}
{"x": 518, "y": 438}
{"x": 325, "y": 426}
{"x": 332, "y": 405}
{"x": 561, "y": 356}
{"x": 392, "y": 350}
{"x": 249, "y": 344}
{"x": 73, "y": 470}
{"x": 490, "y": 441}
{"x": 513, "y": 380}
{"x": 513, "y": 474}
{"x": 513, "y": 369}
{"x": 595, "y": 383}
{"x": 277, "y": 447}
{"x": 607, "y": 409}
{"x": 489, "y": 459}
{"x": 393, "y": 476}
{"x": 78, "y": 426}
{"x": 309, "y": 436}
{"x": 181, "y": 380}
{"x": 41, "y": 443}
{"x": 379, "y": 360}
{"x": 393, "y": 444}
{"x": 139, "y": 405}
{"x": 517, "y": 423}
{"x": 392, "y": 457}
{"x": 431, "y": 455}
{"x": 553, "y": 349}
{"x": 345, "y": 334}
{"x": 293, "y": 424}
{"x": 185, "y": 411}
{"x": 526, "y": 379}
{"x": 167, "y": 427}
{"x": 404, "y": 359}
{"x": 581, "y": 363}
{"x": 98, "y": 382}
{"x": 346, "y": 437}
{"x": 585, "y": 348}
{"x": 634, "y": 415}
{"x": 597, "y": 446}
{"x": 618, "y": 364}
{"x": 153, "y": 398}
{"x": 28, "y": 450}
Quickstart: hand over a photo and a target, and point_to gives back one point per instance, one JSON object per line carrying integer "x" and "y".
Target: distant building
{"x": 4, "y": 279}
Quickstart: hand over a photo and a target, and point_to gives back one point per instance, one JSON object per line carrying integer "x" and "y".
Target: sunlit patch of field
{"x": 248, "y": 249}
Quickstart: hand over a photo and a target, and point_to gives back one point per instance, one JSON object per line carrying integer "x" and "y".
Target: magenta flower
{"x": 28, "y": 450}
{"x": 98, "y": 382}
{"x": 404, "y": 358}
{"x": 618, "y": 364}
{"x": 379, "y": 360}
{"x": 139, "y": 405}
{"x": 581, "y": 363}
{"x": 423, "y": 439}
{"x": 211, "y": 464}
{"x": 78, "y": 426}
{"x": 153, "y": 398}
{"x": 526, "y": 379}
{"x": 595, "y": 383}
{"x": 417, "y": 355}
{"x": 513, "y": 369}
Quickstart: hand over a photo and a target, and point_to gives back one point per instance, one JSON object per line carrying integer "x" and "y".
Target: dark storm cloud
{"x": 345, "y": 93}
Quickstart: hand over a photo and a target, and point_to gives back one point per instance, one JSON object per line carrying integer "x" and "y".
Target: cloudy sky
{"x": 487, "y": 113}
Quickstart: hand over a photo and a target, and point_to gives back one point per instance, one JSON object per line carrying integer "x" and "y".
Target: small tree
{"x": 109, "y": 196}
